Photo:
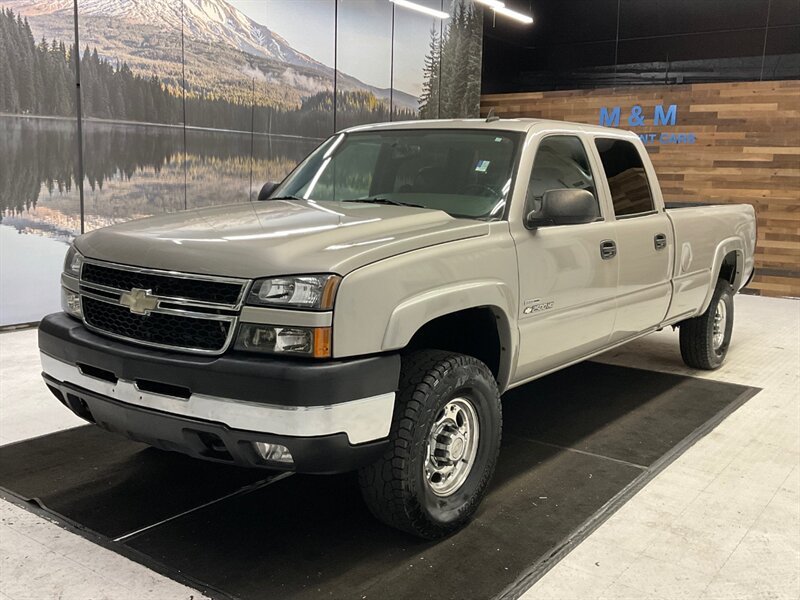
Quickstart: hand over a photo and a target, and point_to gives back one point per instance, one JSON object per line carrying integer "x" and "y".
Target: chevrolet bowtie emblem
{"x": 139, "y": 301}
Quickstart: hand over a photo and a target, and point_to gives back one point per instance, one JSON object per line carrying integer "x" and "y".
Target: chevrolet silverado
{"x": 368, "y": 312}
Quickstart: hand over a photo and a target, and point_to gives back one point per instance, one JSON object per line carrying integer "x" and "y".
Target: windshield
{"x": 466, "y": 173}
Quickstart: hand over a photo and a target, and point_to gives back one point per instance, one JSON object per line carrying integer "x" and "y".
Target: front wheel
{"x": 444, "y": 442}
{"x": 705, "y": 339}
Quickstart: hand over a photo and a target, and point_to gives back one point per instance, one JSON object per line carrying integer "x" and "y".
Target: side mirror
{"x": 267, "y": 189}
{"x": 565, "y": 207}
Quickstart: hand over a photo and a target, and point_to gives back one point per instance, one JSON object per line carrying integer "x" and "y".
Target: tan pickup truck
{"x": 369, "y": 311}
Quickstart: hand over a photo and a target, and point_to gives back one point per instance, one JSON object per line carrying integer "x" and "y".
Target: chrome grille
{"x": 191, "y": 313}
{"x": 156, "y": 328}
{"x": 216, "y": 292}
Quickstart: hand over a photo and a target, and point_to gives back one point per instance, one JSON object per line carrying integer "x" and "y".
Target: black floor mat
{"x": 573, "y": 441}
{"x": 111, "y": 485}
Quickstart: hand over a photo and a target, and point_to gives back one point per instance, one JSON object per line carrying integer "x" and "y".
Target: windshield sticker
{"x": 482, "y": 166}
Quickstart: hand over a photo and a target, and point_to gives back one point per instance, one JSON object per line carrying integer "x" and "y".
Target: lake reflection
{"x": 130, "y": 171}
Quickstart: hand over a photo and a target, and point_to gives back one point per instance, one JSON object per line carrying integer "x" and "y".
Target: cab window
{"x": 560, "y": 163}
{"x": 627, "y": 180}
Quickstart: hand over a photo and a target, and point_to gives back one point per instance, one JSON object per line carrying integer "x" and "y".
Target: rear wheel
{"x": 444, "y": 442}
{"x": 705, "y": 339}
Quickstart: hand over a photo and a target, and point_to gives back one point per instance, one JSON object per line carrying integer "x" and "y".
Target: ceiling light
{"x": 512, "y": 14}
{"x": 423, "y": 9}
{"x": 500, "y": 8}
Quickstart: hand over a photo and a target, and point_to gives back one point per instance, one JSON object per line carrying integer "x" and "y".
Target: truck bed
{"x": 704, "y": 235}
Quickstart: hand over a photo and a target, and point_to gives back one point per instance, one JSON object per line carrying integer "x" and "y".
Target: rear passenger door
{"x": 644, "y": 239}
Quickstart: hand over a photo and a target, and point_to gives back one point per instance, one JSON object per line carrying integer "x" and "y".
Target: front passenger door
{"x": 567, "y": 288}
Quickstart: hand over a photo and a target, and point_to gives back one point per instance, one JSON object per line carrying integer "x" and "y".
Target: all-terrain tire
{"x": 395, "y": 487}
{"x": 697, "y": 335}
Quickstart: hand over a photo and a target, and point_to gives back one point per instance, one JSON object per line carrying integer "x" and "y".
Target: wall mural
{"x": 195, "y": 103}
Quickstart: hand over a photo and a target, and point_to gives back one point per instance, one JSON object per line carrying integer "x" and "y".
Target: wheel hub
{"x": 452, "y": 447}
{"x": 456, "y": 449}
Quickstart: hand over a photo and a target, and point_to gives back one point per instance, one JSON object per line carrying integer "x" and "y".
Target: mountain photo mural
{"x": 190, "y": 103}
{"x": 225, "y": 50}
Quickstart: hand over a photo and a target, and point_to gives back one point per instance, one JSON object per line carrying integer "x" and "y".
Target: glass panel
{"x": 363, "y": 78}
{"x": 131, "y": 75}
{"x": 627, "y": 180}
{"x": 275, "y": 157}
{"x": 217, "y": 167}
{"x": 464, "y": 173}
{"x": 296, "y": 90}
{"x": 560, "y": 163}
{"x": 39, "y": 199}
{"x": 417, "y": 67}
{"x": 226, "y": 47}
{"x": 462, "y": 47}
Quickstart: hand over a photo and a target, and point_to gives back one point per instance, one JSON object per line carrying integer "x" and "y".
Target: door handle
{"x": 608, "y": 249}
{"x": 660, "y": 241}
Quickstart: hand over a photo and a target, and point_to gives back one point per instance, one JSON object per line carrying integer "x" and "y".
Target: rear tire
{"x": 444, "y": 442}
{"x": 705, "y": 339}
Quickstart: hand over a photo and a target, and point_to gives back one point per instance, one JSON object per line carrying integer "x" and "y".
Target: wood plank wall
{"x": 747, "y": 149}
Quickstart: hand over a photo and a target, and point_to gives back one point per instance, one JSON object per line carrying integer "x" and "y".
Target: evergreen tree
{"x": 25, "y": 66}
{"x": 429, "y": 100}
{"x": 474, "y": 53}
{"x": 39, "y": 78}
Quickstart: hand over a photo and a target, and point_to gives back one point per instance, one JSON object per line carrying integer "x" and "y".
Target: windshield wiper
{"x": 384, "y": 201}
{"x": 289, "y": 197}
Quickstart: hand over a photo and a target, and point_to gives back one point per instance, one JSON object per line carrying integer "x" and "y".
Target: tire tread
{"x": 696, "y": 344}
{"x": 383, "y": 484}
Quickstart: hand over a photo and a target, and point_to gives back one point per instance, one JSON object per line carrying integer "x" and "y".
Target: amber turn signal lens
{"x": 322, "y": 342}
{"x": 329, "y": 292}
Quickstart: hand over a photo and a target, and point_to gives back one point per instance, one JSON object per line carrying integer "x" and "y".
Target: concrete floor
{"x": 723, "y": 521}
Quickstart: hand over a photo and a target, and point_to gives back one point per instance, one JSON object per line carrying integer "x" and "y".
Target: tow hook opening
{"x": 214, "y": 446}
{"x": 79, "y": 407}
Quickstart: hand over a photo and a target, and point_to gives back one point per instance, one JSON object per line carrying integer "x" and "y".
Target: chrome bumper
{"x": 362, "y": 419}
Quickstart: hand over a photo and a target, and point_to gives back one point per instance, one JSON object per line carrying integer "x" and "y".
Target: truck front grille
{"x": 156, "y": 328}
{"x": 163, "y": 285}
{"x": 192, "y": 313}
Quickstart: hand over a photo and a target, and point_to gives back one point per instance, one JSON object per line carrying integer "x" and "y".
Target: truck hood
{"x": 278, "y": 237}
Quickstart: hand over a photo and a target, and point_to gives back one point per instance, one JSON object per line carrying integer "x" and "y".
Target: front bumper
{"x": 333, "y": 416}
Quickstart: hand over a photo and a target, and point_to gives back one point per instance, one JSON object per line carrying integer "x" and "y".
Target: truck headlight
{"x": 73, "y": 262}
{"x": 315, "y": 292}
{"x": 272, "y": 339}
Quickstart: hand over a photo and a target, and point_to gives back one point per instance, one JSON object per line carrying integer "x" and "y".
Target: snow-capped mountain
{"x": 212, "y": 21}
{"x": 147, "y": 34}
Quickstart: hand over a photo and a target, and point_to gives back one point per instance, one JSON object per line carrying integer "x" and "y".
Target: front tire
{"x": 444, "y": 442}
{"x": 705, "y": 339}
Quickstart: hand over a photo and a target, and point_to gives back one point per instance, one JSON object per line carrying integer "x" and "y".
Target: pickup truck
{"x": 368, "y": 312}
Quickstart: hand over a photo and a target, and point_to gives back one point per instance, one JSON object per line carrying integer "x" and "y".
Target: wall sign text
{"x": 662, "y": 117}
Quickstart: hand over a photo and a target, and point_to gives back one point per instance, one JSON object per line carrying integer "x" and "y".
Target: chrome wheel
{"x": 720, "y": 324}
{"x": 452, "y": 446}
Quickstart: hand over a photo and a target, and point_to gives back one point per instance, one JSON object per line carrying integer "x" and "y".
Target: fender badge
{"x": 537, "y": 305}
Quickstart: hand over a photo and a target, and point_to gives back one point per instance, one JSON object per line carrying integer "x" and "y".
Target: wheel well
{"x": 472, "y": 331}
{"x": 729, "y": 267}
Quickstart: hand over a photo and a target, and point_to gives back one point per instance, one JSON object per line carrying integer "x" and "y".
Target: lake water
{"x": 30, "y": 270}
{"x": 131, "y": 171}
